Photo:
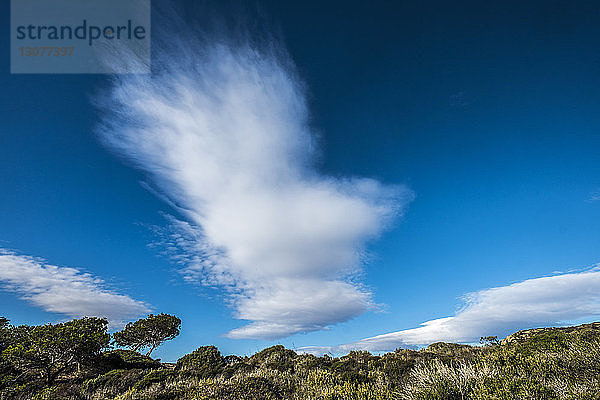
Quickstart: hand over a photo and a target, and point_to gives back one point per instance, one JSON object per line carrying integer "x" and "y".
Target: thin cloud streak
{"x": 223, "y": 130}
{"x": 552, "y": 300}
{"x": 65, "y": 290}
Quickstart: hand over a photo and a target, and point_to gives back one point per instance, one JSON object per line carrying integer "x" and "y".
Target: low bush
{"x": 127, "y": 359}
{"x": 206, "y": 361}
{"x": 114, "y": 382}
{"x": 274, "y": 357}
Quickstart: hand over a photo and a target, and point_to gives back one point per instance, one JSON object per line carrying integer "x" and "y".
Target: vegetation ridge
{"x": 78, "y": 360}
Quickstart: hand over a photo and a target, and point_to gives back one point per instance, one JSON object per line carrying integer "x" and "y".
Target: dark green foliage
{"x": 206, "y": 361}
{"x": 536, "y": 364}
{"x": 61, "y": 391}
{"x": 152, "y": 377}
{"x": 489, "y": 340}
{"x": 7, "y": 370}
{"x": 127, "y": 359}
{"x": 355, "y": 366}
{"x": 453, "y": 350}
{"x": 54, "y": 349}
{"x": 4, "y": 333}
{"x": 115, "y": 381}
{"x": 397, "y": 365}
{"x": 274, "y": 357}
{"x": 309, "y": 362}
{"x": 149, "y": 332}
{"x": 235, "y": 365}
{"x": 253, "y": 388}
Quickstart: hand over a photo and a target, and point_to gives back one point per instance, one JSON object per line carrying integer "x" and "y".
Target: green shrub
{"x": 206, "y": 361}
{"x": 275, "y": 357}
{"x": 114, "y": 382}
{"x": 62, "y": 391}
{"x": 235, "y": 365}
{"x": 127, "y": 359}
{"x": 309, "y": 362}
{"x": 251, "y": 387}
{"x": 397, "y": 365}
{"x": 156, "y": 376}
{"x": 453, "y": 350}
{"x": 355, "y": 366}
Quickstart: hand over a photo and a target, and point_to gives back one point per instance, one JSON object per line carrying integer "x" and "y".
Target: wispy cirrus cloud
{"x": 498, "y": 311}
{"x": 65, "y": 290}
{"x": 222, "y": 127}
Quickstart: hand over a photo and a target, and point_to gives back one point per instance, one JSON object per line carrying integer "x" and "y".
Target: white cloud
{"x": 65, "y": 290}
{"x": 223, "y": 129}
{"x": 498, "y": 311}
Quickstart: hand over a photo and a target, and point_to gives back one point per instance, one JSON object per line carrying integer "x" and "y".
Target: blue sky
{"x": 478, "y": 124}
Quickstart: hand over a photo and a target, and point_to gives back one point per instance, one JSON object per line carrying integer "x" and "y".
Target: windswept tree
{"x": 149, "y": 332}
{"x": 54, "y": 349}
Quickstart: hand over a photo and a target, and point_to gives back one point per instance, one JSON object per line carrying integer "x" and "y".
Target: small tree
{"x": 150, "y": 332}
{"x": 53, "y": 349}
{"x": 489, "y": 340}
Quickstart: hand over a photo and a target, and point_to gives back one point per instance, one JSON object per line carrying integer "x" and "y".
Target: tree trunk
{"x": 49, "y": 377}
{"x": 152, "y": 348}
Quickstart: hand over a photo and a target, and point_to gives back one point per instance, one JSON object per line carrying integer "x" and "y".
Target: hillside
{"x": 547, "y": 363}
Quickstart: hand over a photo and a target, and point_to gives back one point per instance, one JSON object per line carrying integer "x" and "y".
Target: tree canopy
{"x": 52, "y": 349}
{"x": 149, "y": 332}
